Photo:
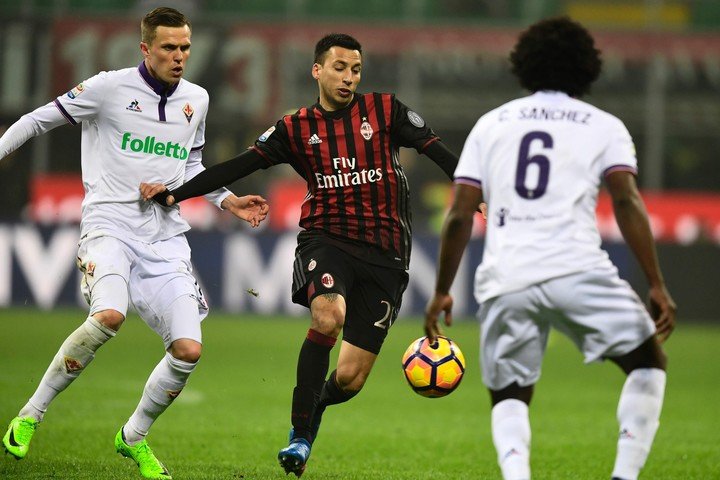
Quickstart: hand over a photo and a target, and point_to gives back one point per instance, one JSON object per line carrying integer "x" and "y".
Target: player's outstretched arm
{"x": 220, "y": 175}
{"x": 251, "y": 208}
{"x": 454, "y": 239}
{"x": 634, "y": 225}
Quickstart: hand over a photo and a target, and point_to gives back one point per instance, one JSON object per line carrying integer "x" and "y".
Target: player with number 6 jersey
{"x": 538, "y": 162}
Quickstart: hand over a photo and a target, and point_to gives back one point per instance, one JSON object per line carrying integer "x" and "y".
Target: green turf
{"x": 234, "y": 415}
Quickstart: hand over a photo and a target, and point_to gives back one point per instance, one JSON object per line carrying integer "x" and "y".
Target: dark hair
{"x": 556, "y": 54}
{"x": 161, "y": 17}
{"x": 335, "y": 40}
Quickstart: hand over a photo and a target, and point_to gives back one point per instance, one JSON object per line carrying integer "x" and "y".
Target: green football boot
{"x": 150, "y": 466}
{"x": 18, "y": 436}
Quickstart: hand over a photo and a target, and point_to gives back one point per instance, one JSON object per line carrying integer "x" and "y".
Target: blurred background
{"x": 447, "y": 59}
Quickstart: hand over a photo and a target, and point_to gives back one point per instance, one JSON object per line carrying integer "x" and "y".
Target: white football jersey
{"x": 539, "y": 161}
{"x": 134, "y": 130}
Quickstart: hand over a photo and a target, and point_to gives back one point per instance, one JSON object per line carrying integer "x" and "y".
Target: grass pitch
{"x": 233, "y": 416}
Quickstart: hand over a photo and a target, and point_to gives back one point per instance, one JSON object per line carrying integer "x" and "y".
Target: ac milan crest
{"x": 366, "y": 129}
{"x": 327, "y": 280}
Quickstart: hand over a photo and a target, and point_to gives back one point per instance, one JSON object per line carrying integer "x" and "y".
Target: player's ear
{"x": 145, "y": 49}
{"x": 316, "y": 70}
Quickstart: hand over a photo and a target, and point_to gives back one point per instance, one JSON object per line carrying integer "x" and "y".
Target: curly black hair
{"x": 556, "y": 54}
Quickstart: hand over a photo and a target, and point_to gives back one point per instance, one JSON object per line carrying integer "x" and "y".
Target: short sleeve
{"x": 468, "y": 170}
{"x": 620, "y": 152}
{"x": 408, "y": 128}
{"x": 83, "y": 102}
{"x": 274, "y": 144}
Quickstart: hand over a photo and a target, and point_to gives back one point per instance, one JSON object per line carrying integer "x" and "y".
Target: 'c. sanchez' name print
{"x": 551, "y": 114}
{"x": 347, "y": 178}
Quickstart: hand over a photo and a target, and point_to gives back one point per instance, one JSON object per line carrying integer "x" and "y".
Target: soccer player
{"x": 354, "y": 247}
{"x": 538, "y": 162}
{"x": 138, "y": 124}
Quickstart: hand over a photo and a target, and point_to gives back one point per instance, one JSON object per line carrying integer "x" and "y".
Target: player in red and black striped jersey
{"x": 354, "y": 249}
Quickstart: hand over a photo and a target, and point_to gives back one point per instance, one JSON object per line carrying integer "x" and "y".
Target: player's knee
{"x": 350, "y": 379}
{"x": 186, "y": 350}
{"x": 328, "y": 318}
{"x": 110, "y": 318}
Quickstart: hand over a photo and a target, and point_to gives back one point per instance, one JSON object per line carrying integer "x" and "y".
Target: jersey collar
{"x": 157, "y": 86}
{"x": 337, "y": 113}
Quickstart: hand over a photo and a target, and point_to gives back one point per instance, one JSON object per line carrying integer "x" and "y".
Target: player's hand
{"x": 662, "y": 309}
{"x": 483, "y": 209}
{"x": 251, "y": 208}
{"x": 441, "y": 302}
{"x": 157, "y": 192}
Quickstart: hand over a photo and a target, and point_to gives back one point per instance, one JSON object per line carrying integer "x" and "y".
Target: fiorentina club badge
{"x": 188, "y": 111}
{"x": 366, "y": 130}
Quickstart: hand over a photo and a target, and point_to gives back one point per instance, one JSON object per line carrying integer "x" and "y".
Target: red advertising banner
{"x": 675, "y": 217}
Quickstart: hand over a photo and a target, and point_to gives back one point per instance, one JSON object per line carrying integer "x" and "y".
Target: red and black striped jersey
{"x": 357, "y": 190}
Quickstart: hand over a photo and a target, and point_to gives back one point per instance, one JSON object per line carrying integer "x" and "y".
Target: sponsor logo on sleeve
{"x": 76, "y": 91}
{"x": 266, "y": 135}
{"x": 415, "y": 119}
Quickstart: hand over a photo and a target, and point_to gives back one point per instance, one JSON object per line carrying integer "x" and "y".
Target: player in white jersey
{"x": 538, "y": 162}
{"x": 138, "y": 124}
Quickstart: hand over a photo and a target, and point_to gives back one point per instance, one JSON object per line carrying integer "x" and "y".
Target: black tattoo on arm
{"x": 330, "y": 297}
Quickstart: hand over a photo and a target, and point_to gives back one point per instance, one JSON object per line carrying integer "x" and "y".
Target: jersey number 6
{"x": 524, "y": 162}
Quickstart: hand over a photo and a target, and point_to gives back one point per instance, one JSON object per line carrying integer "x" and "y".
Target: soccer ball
{"x": 433, "y": 370}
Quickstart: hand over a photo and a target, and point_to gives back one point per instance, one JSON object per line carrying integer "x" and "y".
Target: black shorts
{"x": 373, "y": 294}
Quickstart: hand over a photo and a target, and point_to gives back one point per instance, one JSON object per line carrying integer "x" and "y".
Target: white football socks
{"x": 639, "y": 416}
{"x": 511, "y": 436}
{"x": 74, "y": 355}
{"x": 164, "y": 385}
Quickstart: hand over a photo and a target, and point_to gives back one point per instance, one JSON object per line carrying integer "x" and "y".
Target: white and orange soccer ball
{"x": 433, "y": 370}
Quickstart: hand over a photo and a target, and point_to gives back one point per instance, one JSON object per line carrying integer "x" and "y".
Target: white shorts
{"x": 156, "y": 275}
{"x": 597, "y": 310}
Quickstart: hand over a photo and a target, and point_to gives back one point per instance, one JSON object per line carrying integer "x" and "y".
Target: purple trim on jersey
{"x": 64, "y": 112}
{"x": 159, "y": 88}
{"x": 619, "y": 168}
{"x": 468, "y": 181}
{"x": 195, "y": 149}
{"x": 161, "y": 108}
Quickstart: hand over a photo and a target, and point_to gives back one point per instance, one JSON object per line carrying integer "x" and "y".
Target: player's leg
{"x": 510, "y": 425}
{"x": 169, "y": 301}
{"x": 512, "y": 343}
{"x": 639, "y": 407}
{"x": 170, "y": 375}
{"x": 320, "y": 278}
{"x": 618, "y": 328}
{"x": 105, "y": 268}
{"x": 328, "y": 313}
{"x": 373, "y": 306}
{"x": 328, "y": 317}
